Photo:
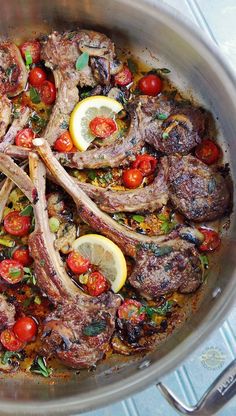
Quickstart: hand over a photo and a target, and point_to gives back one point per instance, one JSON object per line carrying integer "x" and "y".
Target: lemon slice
{"x": 85, "y": 111}
{"x": 106, "y": 255}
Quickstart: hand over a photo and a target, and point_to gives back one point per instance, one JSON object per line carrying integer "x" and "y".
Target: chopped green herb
{"x": 138, "y": 218}
{"x": 27, "y": 302}
{"x": 204, "y": 261}
{"x": 133, "y": 67}
{"x": 29, "y": 276}
{"x": 82, "y": 61}
{"x": 28, "y": 58}
{"x": 85, "y": 94}
{"x": 34, "y": 95}
{"x": 10, "y": 70}
{"x": 164, "y": 70}
{"x": 161, "y": 310}
{"x": 64, "y": 125}
{"x": 106, "y": 178}
{"x": 39, "y": 366}
{"x": 95, "y": 328}
{"x": 14, "y": 272}
{"x": 54, "y": 224}
{"x": 37, "y": 123}
{"x": 92, "y": 175}
{"x": 7, "y": 242}
{"x": 167, "y": 225}
{"x": 159, "y": 71}
{"x": 37, "y": 300}
{"x": 119, "y": 217}
{"x": 6, "y": 357}
{"x": 161, "y": 116}
{"x": 165, "y": 135}
{"x": 27, "y": 211}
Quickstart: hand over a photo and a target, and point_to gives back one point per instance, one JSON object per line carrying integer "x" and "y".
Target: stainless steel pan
{"x": 196, "y": 65}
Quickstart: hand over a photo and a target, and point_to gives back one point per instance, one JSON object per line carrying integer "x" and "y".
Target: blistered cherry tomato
{"x": 211, "y": 240}
{"x": 37, "y": 76}
{"x": 150, "y": 85}
{"x": 11, "y": 270}
{"x": 10, "y": 341}
{"x": 102, "y": 127}
{"x": 77, "y": 263}
{"x": 16, "y": 224}
{"x": 145, "y": 163}
{"x": 124, "y": 77}
{"x": 25, "y": 329}
{"x": 96, "y": 284}
{"x": 132, "y": 178}
{"x": 64, "y": 142}
{"x": 208, "y": 152}
{"x": 48, "y": 92}
{"x": 33, "y": 47}
{"x": 130, "y": 311}
{"x": 24, "y": 138}
{"x": 22, "y": 255}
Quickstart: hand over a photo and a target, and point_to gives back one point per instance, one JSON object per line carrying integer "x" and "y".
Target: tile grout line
{"x": 226, "y": 334}
{"x": 131, "y": 407}
{"x": 199, "y": 16}
{"x": 187, "y": 386}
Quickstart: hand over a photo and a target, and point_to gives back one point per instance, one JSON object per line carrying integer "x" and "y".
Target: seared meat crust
{"x": 13, "y": 73}
{"x": 7, "y": 313}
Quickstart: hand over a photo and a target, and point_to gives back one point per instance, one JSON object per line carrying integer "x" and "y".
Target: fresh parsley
{"x": 95, "y": 328}
{"x": 133, "y": 67}
{"x": 165, "y": 135}
{"x": 34, "y": 95}
{"x": 92, "y": 175}
{"x": 6, "y": 357}
{"x": 166, "y": 224}
{"x": 39, "y": 366}
{"x": 138, "y": 218}
{"x": 29, "y": 276}
{"x": 160, "y": 310}
{"x": 82, "y": 61}
{"x": 27, "y": 211}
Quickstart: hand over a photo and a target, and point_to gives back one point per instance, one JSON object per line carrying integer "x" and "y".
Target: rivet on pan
{"x": 216, "y": 292}
{"x": 144, "y": 364}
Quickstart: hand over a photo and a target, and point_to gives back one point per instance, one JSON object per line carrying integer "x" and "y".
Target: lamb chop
{"x": 199, "y": 192}
{"x": 183, "y": 128}
{"x": 60, "y": 53}
{"x": 13, "y": 73}
{"x": 5, "y": 113}
{"x": 17, "y": 125}
{"x": 7, "y": 313}
{"x": 152, "y": 254}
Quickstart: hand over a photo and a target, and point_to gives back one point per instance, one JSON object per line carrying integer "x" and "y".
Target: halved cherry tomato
{"x": 77, "y": 263}
{"x": 25, "y": 329}
{"x": 16, "y": 224}
{"x": 22, "y": 255}
{"x": 37, "y": 76}
{"x": 145, "y": 163}
{"x": 124, "y": 77}
{"x": 150, "y": 84}
{"x": 102, "y": 127}
{"x": 10, "y": 341}
{"x": 24, "y": 138}
{"x": 48, "y": 92}
{"x": 96, "y": 284}
{"x": 132, "y": 178}
{"x": 11, "y": 270}
{"x": 64, "y": 143}
{"x": 211, "y": 240}
{"x": 208, "y": 152}
{"x": 33, "y": 47}
{"x": 130, "y": 311}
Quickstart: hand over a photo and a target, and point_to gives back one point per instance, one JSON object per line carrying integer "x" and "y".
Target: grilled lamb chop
{"x": 60, "y": 53}
{"x": 155, "y": 252}
{"x": 199, "y": 192}
{"x": 4, "y": 195}
{"x": 17, "y": 125}
{"x": 181, "y": 131}
{"x": 7, "y": 313}
{"x": 13, "y": 73}
{"x": 5, "y": 114}
{"x": 150, "y": 198}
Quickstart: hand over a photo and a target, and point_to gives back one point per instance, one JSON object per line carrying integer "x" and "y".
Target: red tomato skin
{"x": 77, "y": 263}
{"x": 10, "y": 341}
{"x": 124, "y": 77}
{"x": 25, "y": 329}
{"x": 102, "y": 127}
{"x": 129, "y": 311}
{"x": 208, "y": 152}
{"x": 22, "y": 255}
{"x": 211, "y": 240}
{"x": 16, "y": 224}
{"x": 145, "y": 163}
{"x": 34, "y": 47}
{"x": 8, "y": 265}
{"x": 64, "y": 143}
{"x": 150, "y": 85}
{"x": 132, "y": 178}
{"x": 24, "y": 138}
{"x": 37, "y": 76}
{"x": 97, "y": 284}
{"x": 48, "y": 92}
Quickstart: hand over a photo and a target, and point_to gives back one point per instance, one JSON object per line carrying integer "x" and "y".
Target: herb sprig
{"x": 39, "y": 366}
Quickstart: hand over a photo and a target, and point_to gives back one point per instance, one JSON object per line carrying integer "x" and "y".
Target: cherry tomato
{"x": 10, "y": 341}
{"x": 96, "y": 284}
{"x": 37, "y": 76}
{"x": 102, "y": 127}
{"x": 16, "y": 224}
{"x": 77, "y": 263}
{"x": 208, "y": 152}
{"x": 211, "y": 240}
{"x": 25, "y": 329}
{"x": 24, "y": 138}
{"x": 150, "y": 84}
{"x": 145, "y": 163}
{"x": 132, "y": 178}
{"x": 48, "y": 92}
{"x": 33, "y": 47}
{"x": 11, "y": 270}
{"x": 130, "y": 311}
{"x": 64, "y": 143}
{"x": 124, "y": 77}
{"x": 22, "y": 255}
